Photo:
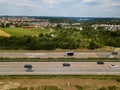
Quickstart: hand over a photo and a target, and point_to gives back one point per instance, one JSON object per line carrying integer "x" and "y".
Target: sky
{"x": 67, "y": 8}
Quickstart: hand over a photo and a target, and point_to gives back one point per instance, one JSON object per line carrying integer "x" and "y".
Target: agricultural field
{"x": 61, "y": 83}
{"x": 25, "y": 31}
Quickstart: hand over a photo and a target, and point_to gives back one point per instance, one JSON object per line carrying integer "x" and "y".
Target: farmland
{"x": 25, "y": 31}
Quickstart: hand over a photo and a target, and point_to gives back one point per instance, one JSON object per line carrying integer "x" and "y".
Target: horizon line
{"x": 59, "y": 16}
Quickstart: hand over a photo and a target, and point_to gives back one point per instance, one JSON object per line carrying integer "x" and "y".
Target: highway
{"x": 57, "y": 68}
{"x": 8, "y": 54}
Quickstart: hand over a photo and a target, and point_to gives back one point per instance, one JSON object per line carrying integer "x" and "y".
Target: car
{"x": 29, "y": 70}
{"x": 100, "y": 62}
{"x": 32, "y": 56}
{"x": 113, "y": 66}
{"x": 69, "y": 54}
{"x": 66, "y": 64}
{"x": 27, "y": 66}
{"x": 114, "y": 53}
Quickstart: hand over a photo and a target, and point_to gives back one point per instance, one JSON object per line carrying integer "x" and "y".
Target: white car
{"x": 29, "y": 70}
{"x": 113, "y": 66}
{"x": 32, "y": 56}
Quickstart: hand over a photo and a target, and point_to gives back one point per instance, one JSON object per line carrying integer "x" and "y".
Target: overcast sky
{"x": 77, "y": 8}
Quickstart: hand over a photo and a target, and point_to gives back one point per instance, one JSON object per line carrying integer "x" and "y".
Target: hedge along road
{"x": 57, "y": 68}
{"x": 8, "y": 54}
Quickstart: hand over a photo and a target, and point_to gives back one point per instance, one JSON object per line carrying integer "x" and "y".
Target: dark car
{"x": 27, "y": 66}
{"x": 114, "y": 53}
{"x": 66, "y": 64}
{"x": 69, "y": 54}
{"x": 100, "y": 62}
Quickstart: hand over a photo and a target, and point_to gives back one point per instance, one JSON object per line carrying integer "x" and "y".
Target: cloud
{"x": 17, "y": 2}
{"x": 61, "y": 7}
{"x": 91, "y": 2}
{"x": 87, "y": 1}
{"x": 52, "y": 3}
{"x": 20, "y": 7}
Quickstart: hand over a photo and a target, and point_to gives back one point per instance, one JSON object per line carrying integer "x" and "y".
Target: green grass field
{"x": 25, "y": 31}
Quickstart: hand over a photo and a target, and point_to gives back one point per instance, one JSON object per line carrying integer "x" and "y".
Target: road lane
{"x": 55, "y": 54}
{"x": 57, "y": 68}
{"x": 61, "y": 71}
{"x": 56, "y": 64}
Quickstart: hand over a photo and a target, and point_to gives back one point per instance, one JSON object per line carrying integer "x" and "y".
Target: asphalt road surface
{"x": 57, "y": 55}
{"x": 57, "y": 68}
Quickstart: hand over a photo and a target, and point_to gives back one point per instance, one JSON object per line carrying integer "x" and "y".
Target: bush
{"x": 39, "y": 88}
{"x": 102, "y": 88}
{"x": 31, "y": 88}
{"x": 118, "y": 80}
{"x": 79, "y": 87}
{"x": 48, "y": 88}
{"x": 20, "y": 88}
{"x": 112, "y": 88}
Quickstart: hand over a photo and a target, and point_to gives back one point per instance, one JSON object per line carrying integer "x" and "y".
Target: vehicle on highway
{"x": 100, "y": 62}
{"x": 32, "y": 56}
{"x": 66, "y": 64}
{"x": 114, "y": 53}
{"x": 29, "y": 70}
{"x": 113, "y": 66}
{"x": 69, "y": 54}
{"x": 27, "y": 66}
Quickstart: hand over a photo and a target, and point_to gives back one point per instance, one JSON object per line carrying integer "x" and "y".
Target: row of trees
{"x": 36, "y": 43}
{"x": 7, "y": 25}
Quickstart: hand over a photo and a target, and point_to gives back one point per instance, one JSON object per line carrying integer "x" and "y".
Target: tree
{"x": 2, "y": 25}
{"x": 7, "y": 25}
{"x": 94, "y": 45}
{"x": 58, "y": 26}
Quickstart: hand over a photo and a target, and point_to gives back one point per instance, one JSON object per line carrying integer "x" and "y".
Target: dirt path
{"x": 2, "y": 33}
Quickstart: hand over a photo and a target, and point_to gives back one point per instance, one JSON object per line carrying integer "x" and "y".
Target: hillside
{"x": 25, "y": 31}
{"x": 2, "y": 33}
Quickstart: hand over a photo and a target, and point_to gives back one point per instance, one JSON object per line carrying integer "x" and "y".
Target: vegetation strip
{"x": 59, "y": 59}
{"x": 100, "y": 77}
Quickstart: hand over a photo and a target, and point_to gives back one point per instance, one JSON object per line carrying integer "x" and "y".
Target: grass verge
{"x": 38, "y": 88}
{"x": 58, "y": 59}
{"x": 100, "y": 77}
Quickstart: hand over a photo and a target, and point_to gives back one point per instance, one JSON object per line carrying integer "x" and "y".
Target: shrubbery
{"x": 38, "y": 88}
{"x": 64, "y": 39}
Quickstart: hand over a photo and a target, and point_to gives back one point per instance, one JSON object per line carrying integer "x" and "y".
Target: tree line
{"x": 35, "y": 43}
